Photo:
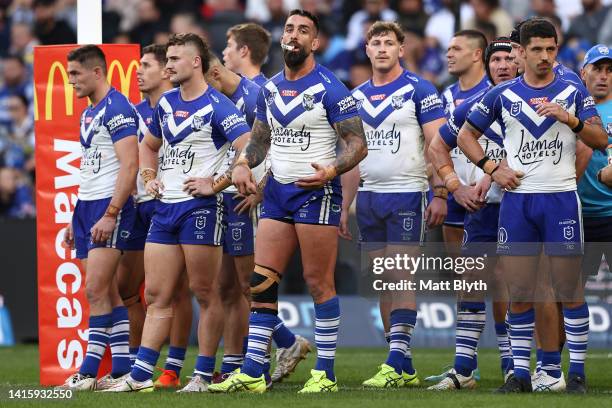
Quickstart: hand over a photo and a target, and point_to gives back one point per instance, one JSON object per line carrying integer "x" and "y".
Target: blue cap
{"x": 597, "y": 53}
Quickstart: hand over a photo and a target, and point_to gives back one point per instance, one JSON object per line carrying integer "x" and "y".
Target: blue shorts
{"x": 144, "y": 214}
{"x": 527, "y": 220}
{"x": 456, "y": 213}
{"x": 87, "y": 213}
{"x": 480, "y": 231}
{"x": 240, "y": 233}
{"x": 198, "y": 221}
{"x": 391, "y": 218}
{"x": 289, "y": 203}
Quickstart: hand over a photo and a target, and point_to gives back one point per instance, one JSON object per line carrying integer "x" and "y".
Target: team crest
{"x": 270, "y": 98}
{"x": 407, "y": 225}
{"x": 603, "y": 50}
{"x": 516, "y": 108}
{"x": 95, "y": 126}
{"x": 308, "y": 102}
{"x": 397, "y": 101}
{"x": 197, "y": 123}
{"x": 236, "y": 234}
{"x": 200, "y": 222}
{"x": 568, "y": 232}
{"x": 164, "y": 120}
{"x": 563, "y": 103}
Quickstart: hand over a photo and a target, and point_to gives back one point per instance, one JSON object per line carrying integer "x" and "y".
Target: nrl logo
{"x": 270, "y": 98}
{"x": 308, "y": 102}
{"x": 197, "y": 123}
{"x": 516, "y": 108}
{"x": 407, "y": 225}
{"x": 236, "y": 234}
{"x": 200, "y": 222}
{"x": 397, "y": 101}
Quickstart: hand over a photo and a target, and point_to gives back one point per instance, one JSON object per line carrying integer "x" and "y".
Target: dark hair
{"x": 15, "y": 57}
{"x": 22, "y": 98}
{"x": 254, "y": 37}
{"x": 385, "y": 27}
{"x": 196, "y": 41}
{"x": 307, "y": 14}
{"x": 158, "y": 51}
{"x": 89, "y": 55}
{"x": 537, "y": 27}
{"x": 474, "y": 35}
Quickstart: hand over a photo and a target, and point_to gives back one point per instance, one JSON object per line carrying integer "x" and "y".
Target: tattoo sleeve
{"x": 354, "y": 149}
{"x": 257, "y": 148}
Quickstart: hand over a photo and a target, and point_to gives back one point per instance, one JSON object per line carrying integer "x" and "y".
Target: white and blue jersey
{"x": 196, "y": 135}
{"x": 145, "y": 117}
{"x": 452, "y": 97}
{"x": 301, "y": 115}
{"x": 564, "y": 72}
{"x": 545, "y": 207}
{"x": 259, "y": 79}
{"x": 491, "y": 142}
{"x": 393, "y": 116}
{"x": 111, "y": 120}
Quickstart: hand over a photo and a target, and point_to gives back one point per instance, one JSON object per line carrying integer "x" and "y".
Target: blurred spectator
{"x": 150, "y": 23}
{"x": 15, "y": 195}
{"x": 23, "y": 42}
{"x": 5, "y": 31}
{"x": 49, "y": 29}
{"x": 19, "y": 151}
{"x": 488, "y": 29}
{"x": 127, "y": 10}
{"x": 442, "y": 25}
{"x": 262, "y": 11}
{"x": 372, "y": 10}
{"x": 489, "y": 11}
{"x": 589, "y": 24}
{"x": 359, "y": 73}
{"x": 412, "y": 14}
{"x": 219, "y": 16}
{"x": 571, "y": 49}
{"x": 21, "y": 11}
{"x": 16, "y": 82}
{"x": 420, "y": 58}
{"x": 67, "y": 11}
{"x": 275, "y": 26}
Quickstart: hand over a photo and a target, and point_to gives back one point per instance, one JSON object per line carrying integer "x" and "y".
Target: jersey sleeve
{"x": 450, "y": 130}
{"x": 429, "y": 106}
{"x": 156, "y": 119}
{"x": 486, "y": 111}
{"x": 227, "y": 120}
{"x": 120, "y": 119}
{"x": 260, "y": 113}
{"x": 585, "y": 104}
{"x": 339, "y": 103}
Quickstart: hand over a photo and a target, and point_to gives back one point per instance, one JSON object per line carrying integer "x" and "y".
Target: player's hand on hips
{"x": 507, "y": 177}
{"x": 553, "y": 110}
{"x": 248, "y": 203}
{"x": 468, "y": 198}
{"x": 243, "y": 179}
{"x": 154, "y": 188}
{"x": 482, "y": 187}
{"x": 316, "y": 181}
{"x": 199, "y": 186}
{"x": 103, "y": 229}
{"x": 343, "y": 228}
{"x": 435, "y": 213}
{"x": 68, "y": 242}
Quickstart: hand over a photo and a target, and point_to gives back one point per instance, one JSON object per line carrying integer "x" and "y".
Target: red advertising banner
{"x": 63, "y": 312}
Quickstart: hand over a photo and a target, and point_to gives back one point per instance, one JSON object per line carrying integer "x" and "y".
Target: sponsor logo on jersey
{"x": 379, "y": 139}
{"x": 289, "y": 92}
{"x": 484, "y": 109}
{"x": 588, "y": 102}
{"x": 378, "y": 97}
{"x": 92, "y": 159}
{"x": 431, "y": 101}
{"x": 347, "y": 104}
{"x": 181, "y": 114}
{"x": 452, "y": 125}
{"x": 120, "y": 120}
{"x": 178, "y": 156}
{"x": 325, "y": 78}
{"x": 282, "y": 136}
{"x": 88, "y": 120}
{"x": 231, "y": 121}
{"x": 536, "y": 150}
{"x": 538, "y": 101}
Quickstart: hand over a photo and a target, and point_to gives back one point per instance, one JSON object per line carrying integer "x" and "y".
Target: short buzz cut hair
{"x": 89, "y": 56}
{"x": 537, "y": 27}
{"x": 385, "y": 27}
{"x": 198, "y": 42}
{"x": 476, "y": 35}
{"x": 158, "y": 51}
{"x": 308, "y": 15}
{"x": 253, "y": 36}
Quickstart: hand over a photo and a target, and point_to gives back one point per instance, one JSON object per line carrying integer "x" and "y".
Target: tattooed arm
{"x": 593, "y": 134}
{"x": 253, "y": 154}
{"x": 353, "y": 149}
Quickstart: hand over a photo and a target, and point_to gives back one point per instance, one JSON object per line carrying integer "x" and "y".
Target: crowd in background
{"x": 429, "y": 26}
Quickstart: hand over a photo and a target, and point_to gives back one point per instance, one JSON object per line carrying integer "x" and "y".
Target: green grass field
{"x": 19, "y": 370}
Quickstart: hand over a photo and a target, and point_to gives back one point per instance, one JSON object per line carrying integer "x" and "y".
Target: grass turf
{"x": 19, "y": 370}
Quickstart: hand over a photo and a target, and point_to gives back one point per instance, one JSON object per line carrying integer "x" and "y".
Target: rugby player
{"x": 301, "y": 113}
{"x": 196, "y": 125}
{"x": 542, "y": 114}
{"x": 104, "y": 213}
{"x": 481, "y": 199}
{"x": 401, "y": 113}
{"x": 246, "y": 51}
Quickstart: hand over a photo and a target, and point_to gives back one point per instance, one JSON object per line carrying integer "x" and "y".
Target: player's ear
{"x": 583, "y": 74}
{"x": 401, "y": 50}
{"x": 244, "y": 50}
{"x": 98, "y": 72}
{"x": 315, "y": 44}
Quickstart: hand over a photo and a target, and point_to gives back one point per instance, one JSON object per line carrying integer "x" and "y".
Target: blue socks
{"x": 99, "y": 334}
{"x": 175, "y": 359}
{"x": 576, "y": 323}
{"x": 402, "y": 325}
{"x": 471, "y": 317}
{"x": 521, "y": 335}
{"x": 145, "y": 364}
{"x": 327, "y": 321}
{"x": 120, "y": 342}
